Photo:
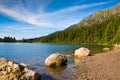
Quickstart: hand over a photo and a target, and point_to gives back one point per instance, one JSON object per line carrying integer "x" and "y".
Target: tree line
{"x": 12, "y": 39}
{"x": 8, "y": 39}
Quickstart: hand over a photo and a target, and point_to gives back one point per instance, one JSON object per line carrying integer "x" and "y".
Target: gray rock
{"x": 10, "y": 70}
{"x": 106, "y": 49}
{"x": 82, "y": 52}
{"x": 56, "y": 59}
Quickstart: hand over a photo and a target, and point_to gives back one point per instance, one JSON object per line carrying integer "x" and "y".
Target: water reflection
{"x": 60, "y": 73}
{"x": 55, "y": 70}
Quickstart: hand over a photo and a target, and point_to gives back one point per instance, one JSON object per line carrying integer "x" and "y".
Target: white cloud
{"x": 61, "y": 18}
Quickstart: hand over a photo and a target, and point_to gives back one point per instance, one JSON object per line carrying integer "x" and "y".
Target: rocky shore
{"x": 103, "y": 66}
{"x": 10, "y": 70}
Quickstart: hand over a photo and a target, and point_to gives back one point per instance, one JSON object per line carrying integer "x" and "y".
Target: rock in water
{"x": 10, "y": 70}
{"x": 56, "y": 59}
{"x": 82, "y": 52}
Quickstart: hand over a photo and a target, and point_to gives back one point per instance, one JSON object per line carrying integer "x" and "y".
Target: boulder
{"x": 10, "y": 70}
{"x": 117, "y": 46}
{"x": 56, "y": 59}
{"x": 106, "y": 49}
{"x": 82, "y": 52}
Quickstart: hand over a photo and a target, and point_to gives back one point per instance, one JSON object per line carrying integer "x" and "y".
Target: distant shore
{"x": 105, "y": 66}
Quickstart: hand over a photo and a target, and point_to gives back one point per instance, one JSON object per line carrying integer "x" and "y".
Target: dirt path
{"x": 105, "y": 66}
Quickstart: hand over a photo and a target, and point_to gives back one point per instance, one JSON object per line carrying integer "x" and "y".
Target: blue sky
{"x": 35, "y": 18}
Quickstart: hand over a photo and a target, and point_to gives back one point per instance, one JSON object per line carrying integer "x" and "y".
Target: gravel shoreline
{"x": 104, "y": 66}
{"x": 101, "y": 66}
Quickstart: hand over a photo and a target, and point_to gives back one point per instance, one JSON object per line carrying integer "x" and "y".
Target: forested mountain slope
{"x": 100, "y": 27}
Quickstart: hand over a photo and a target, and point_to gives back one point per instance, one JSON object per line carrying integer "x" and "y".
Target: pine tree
{"x": 117, "y": 36}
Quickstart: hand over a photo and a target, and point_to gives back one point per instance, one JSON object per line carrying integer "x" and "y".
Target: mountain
{"x": 98, "y": 16}
{"x": 100, "y": 27}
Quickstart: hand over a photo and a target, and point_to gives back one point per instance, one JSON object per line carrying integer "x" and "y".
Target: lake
{"x": 34, "y": 54}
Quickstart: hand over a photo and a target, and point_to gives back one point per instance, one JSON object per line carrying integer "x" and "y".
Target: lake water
{"x": 34, "y": 54}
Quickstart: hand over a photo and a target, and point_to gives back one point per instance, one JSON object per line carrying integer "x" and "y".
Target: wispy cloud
{"x": 73, "y": 8}
{"x": 59, "y": 18}
{"x": 23, "y": 31}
